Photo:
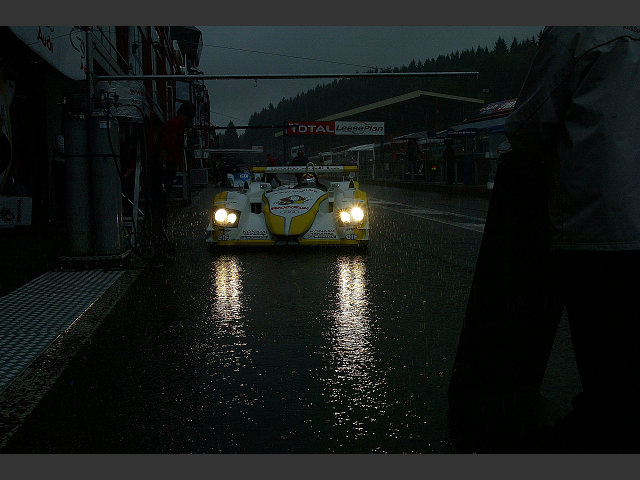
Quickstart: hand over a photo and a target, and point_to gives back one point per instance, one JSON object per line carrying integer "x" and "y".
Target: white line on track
{"x": 476, "y": 225}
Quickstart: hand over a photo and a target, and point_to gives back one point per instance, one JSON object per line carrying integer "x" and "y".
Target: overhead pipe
{"x": 284, "y": 76}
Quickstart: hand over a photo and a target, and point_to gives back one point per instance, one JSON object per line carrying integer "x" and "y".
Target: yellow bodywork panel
{"x": 275, "y": 224}
{"x": 301, "y": 223}
{"x": 360, "y": 233}
{"x": 360, "y": 195}
{"x": 219, "y": 200}
{"x": 220, "y": 197}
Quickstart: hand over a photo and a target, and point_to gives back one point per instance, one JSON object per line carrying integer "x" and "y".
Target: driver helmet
{"x": 307, "y": 179}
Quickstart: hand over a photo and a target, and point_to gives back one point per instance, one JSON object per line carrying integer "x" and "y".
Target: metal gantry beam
{"x": 239, "y": 127}
{"x": 284, "y": 76}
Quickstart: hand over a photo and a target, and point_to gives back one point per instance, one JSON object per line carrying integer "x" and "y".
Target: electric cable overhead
{"x": 289, "y": 56}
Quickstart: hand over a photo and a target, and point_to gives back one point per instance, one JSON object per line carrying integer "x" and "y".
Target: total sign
{"x": 311, "y": 128}
{"x": 335, "y": 128}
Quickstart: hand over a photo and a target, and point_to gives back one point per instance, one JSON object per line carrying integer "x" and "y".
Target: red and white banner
{"x": 335, "y": 128}
{"x": 311, "y": 128}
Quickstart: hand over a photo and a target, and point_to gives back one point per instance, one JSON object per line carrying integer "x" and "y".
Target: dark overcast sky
{"x": 321, "y": 49}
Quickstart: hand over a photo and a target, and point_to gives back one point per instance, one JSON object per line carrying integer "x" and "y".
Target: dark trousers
{"x": 168, "y": 176}
{"x": 602, "y": 307}
{"x": 160, "y": 194}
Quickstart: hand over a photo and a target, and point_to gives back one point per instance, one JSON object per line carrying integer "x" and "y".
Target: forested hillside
{"x": 501, "y": 72}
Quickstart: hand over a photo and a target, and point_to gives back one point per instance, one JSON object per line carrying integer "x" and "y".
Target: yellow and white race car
{"x": 306, "y": 212}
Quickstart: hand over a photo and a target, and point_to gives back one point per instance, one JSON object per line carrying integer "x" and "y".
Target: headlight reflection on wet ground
{"x": 355, "y": 383}
{"x": 227, "y": 292}
{"x": 228, "y": 312}
{"x": 352, "y": 348}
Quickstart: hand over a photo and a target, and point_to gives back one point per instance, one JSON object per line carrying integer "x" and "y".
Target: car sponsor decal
{"x": 359, "y": 128}
{"x": 321, "y": 234}
{"x": 335, "y": 128}
{"x": 254, "y": 234}
{"x": 290, "y": 207}
{"x": 311, "y": 128}
{"x": 292, "y": 199}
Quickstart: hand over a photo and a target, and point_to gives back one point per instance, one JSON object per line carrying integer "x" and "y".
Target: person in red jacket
{"x": 168, "y": 156}
{"x": 170, "y": 142}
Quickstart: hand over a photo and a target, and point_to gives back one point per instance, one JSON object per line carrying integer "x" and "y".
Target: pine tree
{"x": 500, "y": 47}
{"x": 501, "y": 72}
{"x": 231, "y": 139}
{"x": 514, "y": 46}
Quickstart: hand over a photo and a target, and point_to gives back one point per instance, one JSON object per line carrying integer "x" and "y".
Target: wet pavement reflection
{"x": 279, "y": 351}
{"x": 355, "y": 385}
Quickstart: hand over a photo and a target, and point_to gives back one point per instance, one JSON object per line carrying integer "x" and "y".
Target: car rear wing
{"x": 303, "y": 169}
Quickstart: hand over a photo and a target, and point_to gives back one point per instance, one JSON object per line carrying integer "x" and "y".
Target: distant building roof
{"x": 398, "y": 99}
{"x": 393, "y": 101}
{"x": 368, "y": 146}
{"x": 493, "y": 124}
{"x": 422, "y": 134}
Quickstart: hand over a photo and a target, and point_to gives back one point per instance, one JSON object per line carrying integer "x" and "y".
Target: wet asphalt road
{"x": 282, "y": 351}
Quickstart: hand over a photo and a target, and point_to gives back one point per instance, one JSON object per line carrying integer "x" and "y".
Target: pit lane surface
{"x": 305, "y": 351}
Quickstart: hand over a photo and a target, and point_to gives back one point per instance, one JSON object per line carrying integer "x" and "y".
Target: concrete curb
{"x": 24, "y": 393}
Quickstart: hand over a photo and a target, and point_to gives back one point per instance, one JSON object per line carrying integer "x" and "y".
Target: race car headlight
{"x": 357, "y": 214}
{"x": 352, "y": 216}
{"x": 226, "y": 218}
{"x": 221, "y": 215}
